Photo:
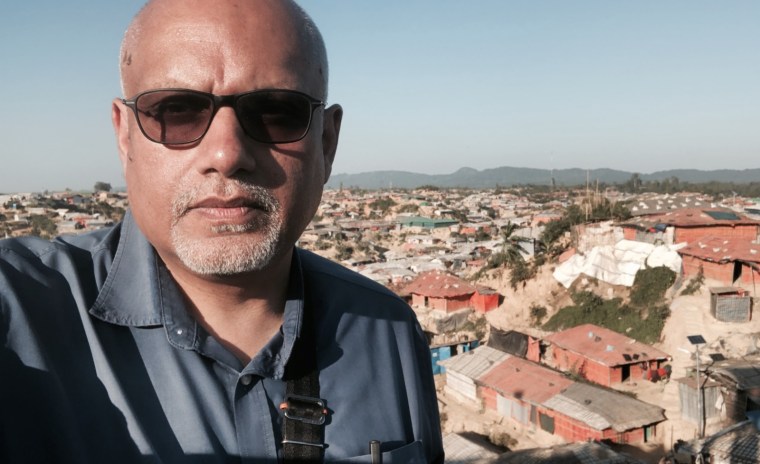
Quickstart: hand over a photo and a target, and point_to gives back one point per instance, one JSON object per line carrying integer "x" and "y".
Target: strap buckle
{"x": 304, "y": 409}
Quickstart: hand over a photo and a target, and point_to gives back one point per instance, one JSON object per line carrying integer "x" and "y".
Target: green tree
{"x": 42, "y": 226}
{"x": 102, "y": 186}
{"x": 409, "y": 208}
{"x": 512, "y": 245}
{"x": 633, "y": 184}
{"x": 343, "y": 251}
{"x": 382, "y": 204}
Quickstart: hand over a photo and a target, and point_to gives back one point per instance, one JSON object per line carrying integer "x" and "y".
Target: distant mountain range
{"x": 509, "y": 176}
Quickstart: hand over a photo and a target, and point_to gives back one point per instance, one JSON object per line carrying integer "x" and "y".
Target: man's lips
{"x": 219, "y": 208}
{"x": 227, "y": 203}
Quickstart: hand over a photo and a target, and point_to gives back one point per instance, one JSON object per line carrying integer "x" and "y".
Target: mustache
{"x": 249, "y": 194}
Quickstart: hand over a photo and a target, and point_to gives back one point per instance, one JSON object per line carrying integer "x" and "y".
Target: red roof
{"x": 604, "y": 346}
{"x": 439, "y": 284}
{"x": 721, "y": 250}
{"x": 530, "y": 382}
{"x": 691, "y": 217}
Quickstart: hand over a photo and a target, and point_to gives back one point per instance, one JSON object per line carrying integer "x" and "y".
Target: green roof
{"x": 417, "y": 221}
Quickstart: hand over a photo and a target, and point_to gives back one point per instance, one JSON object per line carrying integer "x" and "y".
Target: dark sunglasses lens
{"x": 174, "y": 116}
{"x": 274, "y": 116}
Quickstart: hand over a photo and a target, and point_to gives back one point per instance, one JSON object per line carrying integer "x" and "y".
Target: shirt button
{"x": 180, "y": 331}
{"x": 246, "y": 380}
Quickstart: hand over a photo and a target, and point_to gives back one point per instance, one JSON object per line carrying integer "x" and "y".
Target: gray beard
{"x": 236, "y": 250}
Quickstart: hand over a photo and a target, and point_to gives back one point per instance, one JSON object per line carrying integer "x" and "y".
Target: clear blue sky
{"x": 430, "y": 86}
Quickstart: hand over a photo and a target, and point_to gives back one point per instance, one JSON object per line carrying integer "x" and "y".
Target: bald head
{"x": 269, "y": 23}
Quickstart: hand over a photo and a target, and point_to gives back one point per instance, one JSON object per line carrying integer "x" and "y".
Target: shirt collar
{"x": 140, "y": 292}
{"x": 130, "y": 294}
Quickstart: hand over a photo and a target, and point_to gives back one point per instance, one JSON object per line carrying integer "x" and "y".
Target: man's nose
{"x": 226, "y": 148}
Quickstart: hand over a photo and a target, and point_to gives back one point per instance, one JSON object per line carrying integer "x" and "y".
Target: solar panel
{"x": 722, "y": 215}
{"x": 696, "y": 339}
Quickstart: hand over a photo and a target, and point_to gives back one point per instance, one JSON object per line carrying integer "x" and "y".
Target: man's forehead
{"x": 276, "y": 19}
{"x": 210, "y": 51}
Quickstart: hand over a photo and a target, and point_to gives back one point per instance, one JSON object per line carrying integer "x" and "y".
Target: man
{"x": 195, "y": 331}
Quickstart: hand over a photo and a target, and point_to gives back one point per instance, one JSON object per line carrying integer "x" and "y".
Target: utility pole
{"x": 697, "y": 340}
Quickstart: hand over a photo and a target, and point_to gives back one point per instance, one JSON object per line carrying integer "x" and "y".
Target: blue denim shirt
{"x": 101, "y": 362}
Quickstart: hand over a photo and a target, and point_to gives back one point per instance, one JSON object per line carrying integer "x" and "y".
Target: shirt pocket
{"x": 413, "y": 453}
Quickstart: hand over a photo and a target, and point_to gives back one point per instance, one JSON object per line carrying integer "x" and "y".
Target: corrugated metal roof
{"x": 620, "y": 411}
{"x": 604, "y": 346}
{"x": 530, "y": 382}
{"x": 739, "y": 443}
{"x": 725, "y": 290}
{"x": 579, "y": 412}
{"x": 599, "y": 408}
{"x": 572, "y": 453}
{"x": 474, "y": 363}
{"x": 657, "y": 203}
{"x": 460, "y": 450}
{"x": 744, "y": 372}
{"x": 722, "y": 249}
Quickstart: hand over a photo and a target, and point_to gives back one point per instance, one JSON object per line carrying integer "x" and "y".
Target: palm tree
{"x": 512, "y": 249}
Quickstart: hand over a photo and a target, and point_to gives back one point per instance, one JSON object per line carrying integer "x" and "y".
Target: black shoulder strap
{"x": 304, "y": 413}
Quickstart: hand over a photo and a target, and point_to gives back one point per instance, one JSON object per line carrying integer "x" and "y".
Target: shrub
{"x": 695, "y": 283}
{"x": 650, "y": 285}
{"x": 521, "y": 273}
{"x": 537, "y": 313}
{"x": 641, "y": 323}
{"x": 586, "y": 299}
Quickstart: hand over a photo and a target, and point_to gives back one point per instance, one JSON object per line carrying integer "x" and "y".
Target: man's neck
{"x": 242, "y": 312}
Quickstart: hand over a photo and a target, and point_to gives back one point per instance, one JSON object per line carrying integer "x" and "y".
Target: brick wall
{"x": 443, "y": 304}
{"x": 489, "y": 397}
{"x": 484, "y": 303}
{"x": 721, "y": 272}
{"x": 568, "y": 361}
{"x": 750, "y": 276}
{"x": 693, "y": 234}
{"x": 452, "y": 304}
{"x": 631, "y": 436}
{"x": 570, "y": 429}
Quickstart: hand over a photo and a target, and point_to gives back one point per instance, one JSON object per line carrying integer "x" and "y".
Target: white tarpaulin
{"x": 618, "y": 264}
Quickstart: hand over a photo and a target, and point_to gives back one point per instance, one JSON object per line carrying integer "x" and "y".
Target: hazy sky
{"x": 430, "y": 86}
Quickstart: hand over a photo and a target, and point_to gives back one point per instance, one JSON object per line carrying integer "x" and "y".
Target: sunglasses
{"x": 183, "y": 116}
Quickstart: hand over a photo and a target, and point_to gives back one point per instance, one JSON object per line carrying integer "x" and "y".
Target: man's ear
{"x": 330, "y": 132}
{"x": 120, "y": 119}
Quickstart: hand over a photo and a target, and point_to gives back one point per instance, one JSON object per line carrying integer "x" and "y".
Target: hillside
{"x": 509, "y": 176}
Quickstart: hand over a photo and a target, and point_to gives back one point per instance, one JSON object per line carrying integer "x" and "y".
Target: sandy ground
{"x": 690, "y": 315}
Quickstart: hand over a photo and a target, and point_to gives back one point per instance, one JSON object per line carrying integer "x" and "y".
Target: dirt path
{"x": 690, "y": 315}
